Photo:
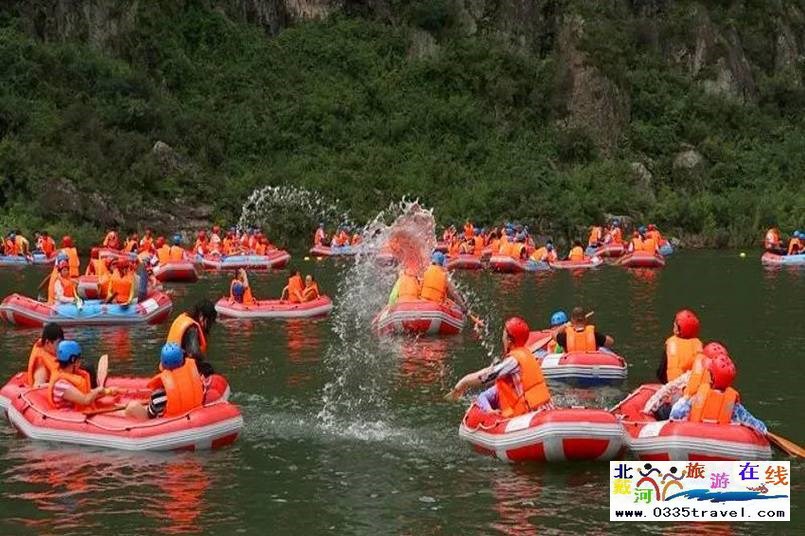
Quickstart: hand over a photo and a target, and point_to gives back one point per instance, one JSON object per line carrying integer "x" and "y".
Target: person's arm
{"x": 71, "y": 394}
{"x": 681, "y": 409}
{"x": 40, "y": 376}
{"x": 284, "y": 295}
{"x": 665, "y": 393}
{"x": 603, "y": 340}
{"x": 742, "y": 416}
{"x": 484, "y": 376}
{"x": 59, "y": 291}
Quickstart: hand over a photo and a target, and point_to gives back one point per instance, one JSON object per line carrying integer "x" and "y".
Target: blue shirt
{"x": 740, "y": 414}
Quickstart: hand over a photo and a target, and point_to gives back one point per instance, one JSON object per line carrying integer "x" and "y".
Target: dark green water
{"x": 349, "y": 435}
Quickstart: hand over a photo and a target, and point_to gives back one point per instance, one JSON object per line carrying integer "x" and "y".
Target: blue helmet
{"x": 177, "y": 239}
{"x": 68, "y": 351}
{"x": 798, "y": 234}
{"x": 558, "y": 318}
{"x": 616, "y": 222}
{"x": 171, "y": 356}
{"x": 61, "y": 256}
{"x": 437, "y": 258}
{"x": 476, "y": 230}
{"x": 642, "y": 229}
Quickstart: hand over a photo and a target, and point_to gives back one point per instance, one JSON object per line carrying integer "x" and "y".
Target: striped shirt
{"x": 58, "y": 393}
{"x": 159, "y": 400}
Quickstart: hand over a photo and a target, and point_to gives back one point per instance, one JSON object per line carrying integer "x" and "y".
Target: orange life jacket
{"x": 637, "y": 244}
{"x": 200, "y": 246}
{"x": 699, "y": 375}
{"x": 260, "y": 248}
{"x": 650, "y": 245}
{"x": 146, "y": 243}
{"x": 163, "y": 254}
{"x": 10, "y": 247}
{"x": 478, "y": 245}
{"x": 230, "y": 246}
{"x": 526, "y": 391}
{"x": 296, "y": 288}
{"x": 616, "y": 236}
{"x": 180, "y": 325}
{"x": 80, "y": 381}
{"x": 713, "y": 406}
{"x": 434, "y": 284}
{"x": 67, "y": 285}
{"x": 539, "y": 255}
{"x": 311, "y": 293}
{"x": 121, "y": 285}
{"x": 469, "y": 230}
{"x": 516, "y": 250}
{"x": 111, "y": 241}
{"x": 580, "y": 341}
{"x": 576, "y": 254}
{"x": 48, "y": 246}
{"x": 595, "y": 236}
{"x": 681, "y": 354}
{"x": 40, "y": 358}
{"x": 176, "y": 253}
{"x": 72, "y": 260}
{"x": 97, "y": 267}
{"x": 408, "y": 288}
{"x": 495, "y": 246}
{"x": 454, "y": 248}
{"x": 183, "y": 386}
{"x": 655, "y": 235}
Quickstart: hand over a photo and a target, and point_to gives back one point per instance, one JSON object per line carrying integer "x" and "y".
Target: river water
{"x": 347, "y": 434}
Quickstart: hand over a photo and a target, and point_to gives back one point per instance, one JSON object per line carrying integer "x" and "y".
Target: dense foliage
{"x": 342, "y": 107}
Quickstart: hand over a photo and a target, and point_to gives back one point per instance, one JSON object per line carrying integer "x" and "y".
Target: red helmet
{"x": 722, "y": 370}
{"x": 688, "y": 324}
{"x": 202, "y": 233}
{"x": 517, "y": 330}
{"x": 160, "y": 241}
{"x": 66, "y": 241}
{"x": 216, "y": 228}
{"x": 714, "y": 349}
{"x": 651, "y": 227}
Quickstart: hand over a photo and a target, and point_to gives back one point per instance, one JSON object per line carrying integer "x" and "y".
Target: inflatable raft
{"x": 420, "y": 316}
{"x": 605, "y": 251}
{"x": 37, "y": 257}
{"x": 26, "y": 312}
{"x": 508, "y": 265}
{"x": 274, "y": 308}
{"x": 554, "y": 435}
{"x": 641, "y": 259}
{"x": 273, "y": 259}
{"x": 87, "y": 287}
{"x": 464, "y": 262}
{"x": 215, "y": 424}
{"x": 176, "y": 271}
{"x": 103, "y": 253}
{"x": 650, "y": 439}
{"x": 586, "y": 369}
{"x": 336, "y": 251}
{"x": 592, "y": 262}
{"x": 772, "y": 259}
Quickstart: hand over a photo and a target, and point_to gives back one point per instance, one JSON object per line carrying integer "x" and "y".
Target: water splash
{"x": 362, "y": 365}
{"x": 286, "y": 212}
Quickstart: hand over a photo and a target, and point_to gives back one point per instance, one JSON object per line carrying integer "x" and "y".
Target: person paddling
{"x": 190, "y": 331}
{"x": 580, "y": 336}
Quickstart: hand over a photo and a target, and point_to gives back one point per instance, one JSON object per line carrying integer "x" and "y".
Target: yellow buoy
{"x": 743, "y": 254}
{"x": 307, "y": 258}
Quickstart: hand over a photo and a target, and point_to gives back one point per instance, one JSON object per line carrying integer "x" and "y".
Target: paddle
{"x": 789, "y": 447}
{"x": 103, "y": 370}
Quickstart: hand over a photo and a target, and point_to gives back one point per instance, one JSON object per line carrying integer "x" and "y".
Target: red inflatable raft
{"x": 274, "y": 308}
{"x": 183, "y": 271}
{"x": 215, "y": 424}
{"x": 327, "y": 251}
{"x": 650, "y": 439}
{"x": 464, "y": 262}
{"x": 103, "y": 253}
{"x": 607, "y": 250}
{"x": 273, "y": 259}
{"x": 772, "y": 259}
{"x": 554, "y": 435}
{"x": 26, "y": 312}
{"x": 420, "y": 316}
{"x": 642, "y": 259}
{"x": 591, "y": 262}
{"x": 87, "y": 287}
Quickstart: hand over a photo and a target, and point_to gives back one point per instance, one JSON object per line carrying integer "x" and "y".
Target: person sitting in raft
{"x": 63, "y": 289}
{"x": 68, "y": 248}
{"x": 320, "y": 237}
{"x": 681, "y": 348}
{"x": 715, "y": 401}
{"x": 478, "y": 242}
{"x": 406, "y": 288}
{"x": 614, "y": 236}
{"x": 654, "y": 234}
{"x": 467, "y": 246}
{"x": 648, "y": 244}
{"x": 22, "y": 243}
{"x": 176, "y": 252}
{"x": 580, "y": 336}
{"x": 42, "y": 361}
{"x": 122, "y": 288}
{"x": 311, "y": 291}
{"x": 519, "y": 385}
{"x": 636, "y": 243}
{"x": 46, "y": 244}
{"x": 239, "y": 289}
{"x": 773, "y": 243}
{"x": 190, "y": 331}
{"x": 177, "y": 389}
{"x": 577, "y": 252}
{"x": 557, "y": 322}
{"x": 596, "y": 236}
{"x": 687, "y": 383}
{"x": 436, "y": 285}
{"x": 147, "y": 241}
{"x": 795, "y": 246}
{"x": 293, "y": 291}
{"x": 71, "y": 385}
{"x": 111, "y": 241}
